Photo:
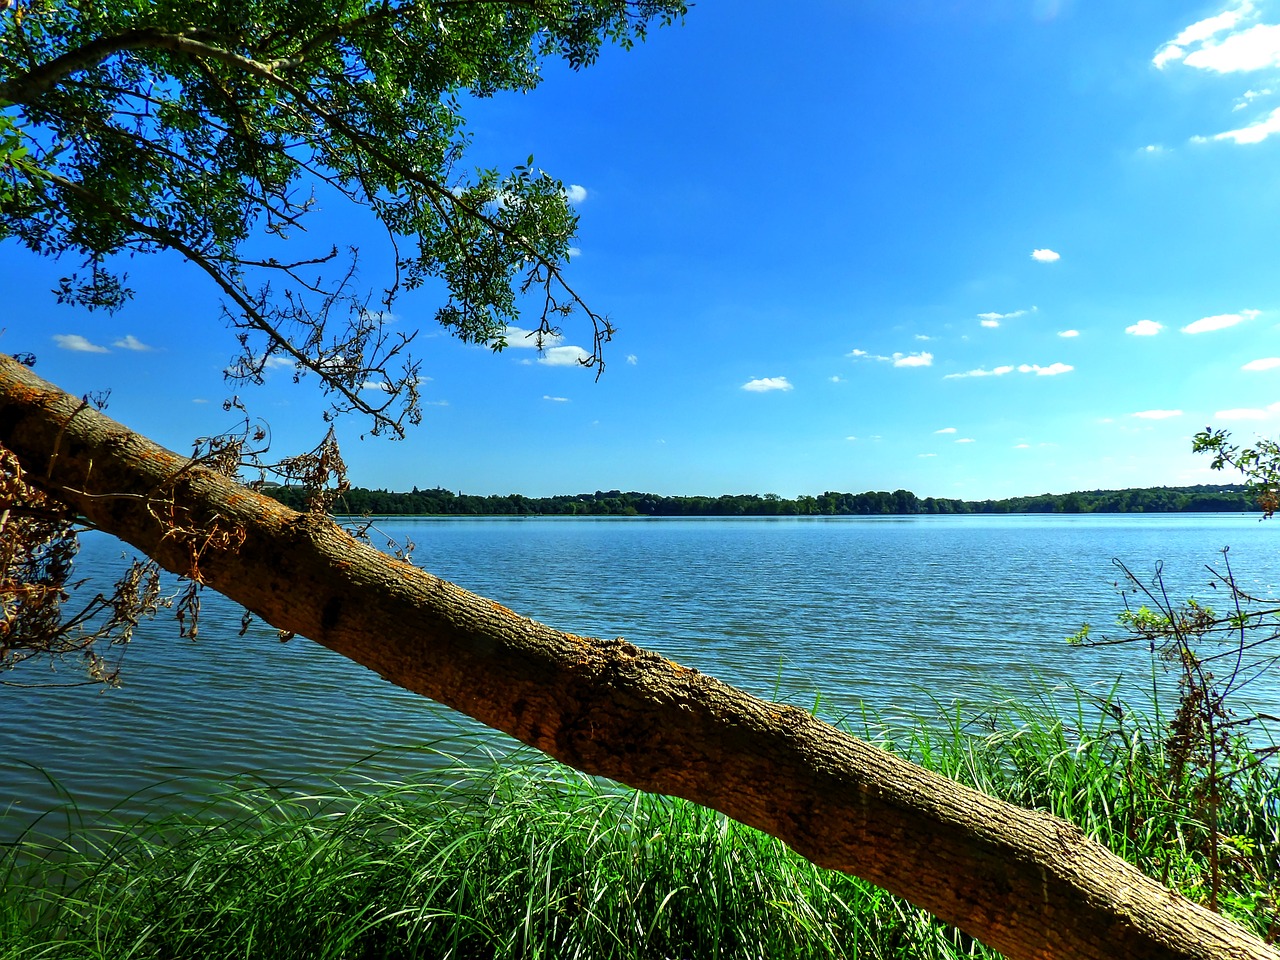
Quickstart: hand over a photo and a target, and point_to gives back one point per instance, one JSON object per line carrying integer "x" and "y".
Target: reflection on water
{"x": 897, "y": 613}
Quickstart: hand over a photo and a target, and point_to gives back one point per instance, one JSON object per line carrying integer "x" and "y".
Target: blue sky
{"x": 973, "y": 248}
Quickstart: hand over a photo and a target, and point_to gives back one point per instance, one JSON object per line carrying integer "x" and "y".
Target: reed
{"x": 521, "y": 857}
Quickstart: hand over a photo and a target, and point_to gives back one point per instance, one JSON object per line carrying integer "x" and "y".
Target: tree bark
{"x": 1026, "y": 883}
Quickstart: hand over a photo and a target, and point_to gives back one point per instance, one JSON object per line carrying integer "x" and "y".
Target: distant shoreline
{"x": 438, "y": 502}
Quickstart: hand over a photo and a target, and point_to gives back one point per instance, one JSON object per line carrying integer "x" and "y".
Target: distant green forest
{"x": 1209, "y": 498}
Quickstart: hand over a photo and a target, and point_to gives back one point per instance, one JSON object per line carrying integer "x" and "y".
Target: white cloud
{"x": 1156, "y": 414}
{"x": 981, "y": 372}
{"x": 1022, "y": 446}
{"x": 1144, "y": 328}
{"x": 1255, "y": 132}
{"x": 1153, "y": 148}
{"x": 851, "y": 438}
{"x": 946, "y": 430}
{"x": 241, "y": 369}
{"x": 1045, "y": 255}
{"x": 925, "y": 456}
{"x": 575, "y": 193}
{"x": 1201, "y": 35}
{"x": 765, "y": 384}
{"x": 77, "y": 343}
{"x": 555, "y": 399}
{"x": 575, "y": 252}
{"x": 1266, "y": 363}
{"x": 923, "y": 336}
{"x": 966, "y": 440}
{"x": 1202, "y": 30}
{"x": 521, "y": 339}
{"x": 632, "y": 359}
{"x": 1249, "y": 413}
{"x": 381, "y": 385}
{"x": 1220, "y": 322}
{"x": 1255, "y": 48}
{"x": 1068, "y": 333}
{"x": 199, "y": 400}
{"x": 835, "y": 379}
{"x": 1167, "y": 54}
{"x": 564, "y": 357}
{"x": 1052, "y": 370}
{"x": 913, "y": 360}
{"x": 1249, "y": 96}
{"x": 130, "y": 342}
{"x": 899, "y": 359}
{"x": 985, "y": 317}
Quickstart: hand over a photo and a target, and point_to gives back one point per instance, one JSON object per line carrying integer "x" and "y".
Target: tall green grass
{"x": 523, "y": 858}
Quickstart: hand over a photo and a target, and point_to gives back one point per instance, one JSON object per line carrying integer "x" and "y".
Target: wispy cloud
{"x": 1254, "y": 132}
{"x": 982, "y": 372}
{"x": 1224, "y": 43}
{"x": 1045, "y": 255}
{"x": 78, "y": 344}
{"x": 946, "y": 430}
{"x": 1265, "y": 363}
{"x": 922, "y": 359}
{"x": 130, "y": 342}
{"x": 239, "y": 369}
{"x": 1052, "y": 370}
{"x": 632, "y": 359}
{"x": 1220, "y": 322}
{"x": 1068, "y": 333}
{"x": 993, "y": 319}
{"x": 966, "y": 440}
{"x": 1249, "y": 96}
{"x": 836, "y": 379}
{"x": 1249, "y": 413}
{"x": 555, "y": 352}
{"x": 913, "y": 360}
{"x": 575, "y": 193}
{"x": 1156, "y": 414}
{"x": 555, "y": 399}
{"x": 765, "y": 384}
{"x": 519, "y": 338}
{"x": 1144, "y": 328}
{"x": 564, "y": 357}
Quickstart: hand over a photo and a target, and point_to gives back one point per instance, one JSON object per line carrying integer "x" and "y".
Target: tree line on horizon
{"x": 1202, "y": 498}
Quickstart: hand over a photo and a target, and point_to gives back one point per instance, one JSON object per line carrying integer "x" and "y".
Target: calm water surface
{"x": 901, "y": 614}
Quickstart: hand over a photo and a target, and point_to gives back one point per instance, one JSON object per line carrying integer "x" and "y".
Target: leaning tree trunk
{"x": 1025, "y": 883}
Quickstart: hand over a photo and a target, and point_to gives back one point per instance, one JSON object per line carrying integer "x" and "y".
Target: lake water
{"x": 901, "y": 614}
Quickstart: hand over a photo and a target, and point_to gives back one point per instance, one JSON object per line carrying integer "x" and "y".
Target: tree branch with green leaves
{"x": 204, "y": 131}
